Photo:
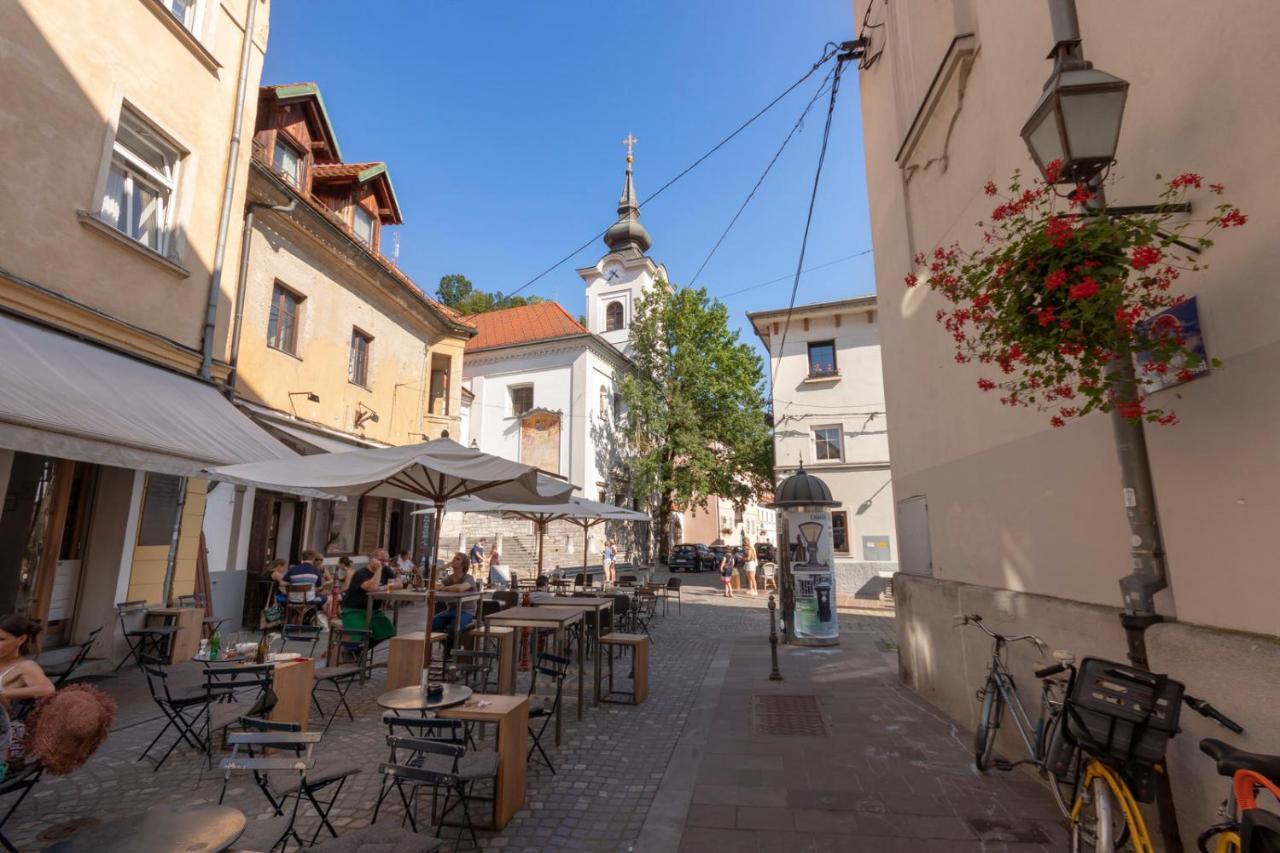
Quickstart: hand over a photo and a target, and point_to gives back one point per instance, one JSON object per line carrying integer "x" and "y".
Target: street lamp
{"x": 1076, "y": 122}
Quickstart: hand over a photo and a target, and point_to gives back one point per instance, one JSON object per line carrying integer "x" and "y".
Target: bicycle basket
{"x": 1125, "y": 714}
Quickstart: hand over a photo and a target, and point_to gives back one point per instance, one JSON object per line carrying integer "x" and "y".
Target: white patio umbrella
{"x": 433, "y": 472}
{"x": 579, "y": 511}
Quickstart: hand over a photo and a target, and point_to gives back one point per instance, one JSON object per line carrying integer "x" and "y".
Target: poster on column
{"x": 813, "y": 574}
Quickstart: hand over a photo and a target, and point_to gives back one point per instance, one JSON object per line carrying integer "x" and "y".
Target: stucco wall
{"x": 1013, "y": 503}
{"x": 336, "y": 299}
{"x": 67, "y": 67}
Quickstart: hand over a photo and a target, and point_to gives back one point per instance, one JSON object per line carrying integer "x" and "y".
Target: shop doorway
{"x": 275, "y": 532}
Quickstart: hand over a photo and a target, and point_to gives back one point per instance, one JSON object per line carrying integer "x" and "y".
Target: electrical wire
{"x": 813, "y": 197}
{"x": 829, "y": 50}
{"x": 789, "y": 275}
{"x": 790, "y": 135}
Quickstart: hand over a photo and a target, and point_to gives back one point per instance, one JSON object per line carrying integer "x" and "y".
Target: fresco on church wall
{"x": 540, "y": 441}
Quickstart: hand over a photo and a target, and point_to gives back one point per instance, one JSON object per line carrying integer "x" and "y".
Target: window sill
{"x": 91, "y": 221}
{"x": 184, "y": 35}
{"x": 292, "y": 355}
{"x": 359, "y": 385}
{"x": 821, "y": 377}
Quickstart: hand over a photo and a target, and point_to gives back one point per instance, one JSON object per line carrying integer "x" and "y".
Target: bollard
{"x": 773, "y": 638}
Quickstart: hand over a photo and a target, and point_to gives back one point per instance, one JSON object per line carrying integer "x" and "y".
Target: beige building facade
{"x": 1001, "y": 515}
{"x": 331, "y": 347}
{"x": 120, "y": 160}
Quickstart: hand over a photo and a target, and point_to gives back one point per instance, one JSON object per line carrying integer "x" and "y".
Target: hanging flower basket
{"x": 1057, "y": 297}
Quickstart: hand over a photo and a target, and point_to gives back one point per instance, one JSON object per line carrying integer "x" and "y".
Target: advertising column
{"x": 812, "y": 576}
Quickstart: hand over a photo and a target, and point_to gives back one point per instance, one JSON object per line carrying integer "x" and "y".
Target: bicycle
{"x": 1117, "y": 721}
{"x": 999, "y": 693}
{"x": 1246, "y": 828}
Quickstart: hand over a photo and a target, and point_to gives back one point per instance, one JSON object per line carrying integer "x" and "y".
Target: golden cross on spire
{"x": 629, "y": 141}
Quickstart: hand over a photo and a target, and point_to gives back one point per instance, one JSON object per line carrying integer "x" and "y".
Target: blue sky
{"x": 501, "y": 124}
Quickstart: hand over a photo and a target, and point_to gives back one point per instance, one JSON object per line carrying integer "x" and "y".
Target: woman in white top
{"x": 21, "y": 678}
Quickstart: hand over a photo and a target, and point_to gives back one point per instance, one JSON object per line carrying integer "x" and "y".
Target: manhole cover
{"x": 788, "y": 715}
{"x": 61, "y": 831}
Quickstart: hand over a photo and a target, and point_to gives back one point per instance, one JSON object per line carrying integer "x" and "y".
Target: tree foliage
{"x": 460, "y": 294}
{"x": 695, "y": 425}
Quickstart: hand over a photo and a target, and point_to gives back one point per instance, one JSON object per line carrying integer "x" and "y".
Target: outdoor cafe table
{"x": 414, "y": 698}
{"x": 164, "y": 828}
{"x": 456, "y": 599}
{"x": 511, "y": 715}
{"x": 547, "y": 618}
{"x": 583, "y": 603}
{"x": 292, "y": 681}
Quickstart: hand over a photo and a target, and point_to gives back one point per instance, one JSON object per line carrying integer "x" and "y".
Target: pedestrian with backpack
{"x": 726, "y": 571}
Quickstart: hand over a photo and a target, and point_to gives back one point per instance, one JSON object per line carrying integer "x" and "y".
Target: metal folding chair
{"x": 60, "y": 674}
{"x": 546, "y": 708}
{"x": 323, "y": 774}
{"x": 422, "y": 762}
{"x": 184, "y": 710}
{"x": 210, "y": 624}
{"x": 273, "y": 833}
{"x": 144, "y": 640}
{"x": 21, "y": 784}
{"x": 353, "y": 665}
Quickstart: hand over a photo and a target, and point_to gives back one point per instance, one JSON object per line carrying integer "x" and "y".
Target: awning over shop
{"x": 316, "y": 438}
{"x": 63, "y": 397}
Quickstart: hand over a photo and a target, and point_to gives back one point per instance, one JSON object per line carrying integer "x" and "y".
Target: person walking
{"x": 476, "y": 556}
{"x": 750, "y": 562}
{"x": 609, "y": 560}
{"x": 726, "y": 571}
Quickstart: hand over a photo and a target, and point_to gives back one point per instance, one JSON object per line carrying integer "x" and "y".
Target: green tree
{"x": 460, "y": 294}
{"x": 696, "y": 425}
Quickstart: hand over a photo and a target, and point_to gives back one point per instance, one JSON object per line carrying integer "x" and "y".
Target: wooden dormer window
{"x": 362, "y": 224}
{"x": 287, "y": 161}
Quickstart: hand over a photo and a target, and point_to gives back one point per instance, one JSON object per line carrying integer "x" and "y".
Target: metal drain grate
{"x": 788, "y": 715}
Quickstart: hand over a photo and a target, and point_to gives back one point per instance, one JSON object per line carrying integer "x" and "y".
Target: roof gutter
{"x": 228, "y": 196}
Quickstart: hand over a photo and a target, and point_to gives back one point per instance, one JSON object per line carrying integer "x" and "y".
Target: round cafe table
{"x": 412, "y": 698}
{"x": 163, "y": 829}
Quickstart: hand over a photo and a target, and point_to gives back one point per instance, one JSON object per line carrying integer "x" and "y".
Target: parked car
{"x": 739, "y": 555}
{"x": 692, "y": 557}
{"x": 765, "y": 552}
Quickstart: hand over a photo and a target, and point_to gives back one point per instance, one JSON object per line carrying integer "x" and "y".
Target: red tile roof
{"x": 341, "y": 170}
{"x": 510, "y": 326}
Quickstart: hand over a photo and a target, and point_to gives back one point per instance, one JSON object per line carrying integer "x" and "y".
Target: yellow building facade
{"x": 121, "y": 167}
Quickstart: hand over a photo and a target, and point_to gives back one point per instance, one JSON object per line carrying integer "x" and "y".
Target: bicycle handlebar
{"x": 976, "y": 619}
{"x": 1051, "y": 670}
{"x": 1206, "y": 710}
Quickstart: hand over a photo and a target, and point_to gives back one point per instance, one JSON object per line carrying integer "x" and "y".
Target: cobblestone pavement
{"x": 624, "y": 772}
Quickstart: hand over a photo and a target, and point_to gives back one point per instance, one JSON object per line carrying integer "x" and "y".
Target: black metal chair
{"x": 184, "y": 710}
{"x": 673, "y": 585}
{"x": 353, "y": 665}
{"x": 59, "y": 675}
{"x": 542, "y": 707}
{"x": 19, "y": 783}
{"x": 144, "y": 640}
{"x": 427, "y": 762}
{"x": 507, "y": 597}
{"x": 645, "y": 607}
{"x": 273, "y": 833}
{"x": 235, "y": 691}
{"x": 325, "y": 773}
{"x": 210, "y": 624}
{"x": 307, "y": 637}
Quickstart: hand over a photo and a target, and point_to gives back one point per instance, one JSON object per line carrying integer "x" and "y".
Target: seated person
{"x": 22, "y": 681}
{"x": 372, "y": 577}
{"x": 459, "y": 580}
{"x": 310, "y": 571}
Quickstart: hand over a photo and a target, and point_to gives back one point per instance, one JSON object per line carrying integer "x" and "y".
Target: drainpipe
{"x": 242, "y": 278}
{"x": 228, "y": 193}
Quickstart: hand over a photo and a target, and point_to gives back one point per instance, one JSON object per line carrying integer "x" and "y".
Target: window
{"x": 604, "y": 401}
{"x": 288, "y": 162}
{"x": 822, "y": 358}
{"x": 362, "y": 224}
{"x": 141, "y": 182}
{"x": 521, "y": 399}
{"x": 161, "y": 504}
{"x": 826, "y": 443}
{"x": 617, "y": 407}
{"x": 282, "y": 325}
{"x": 184, "y": 11}
{"x": 840, "y": 532}
{"x": 613, "y": 318}
{"x": 358, "y": 363}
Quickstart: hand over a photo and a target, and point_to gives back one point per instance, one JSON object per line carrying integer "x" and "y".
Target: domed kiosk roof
{"x": 802, "y": 489}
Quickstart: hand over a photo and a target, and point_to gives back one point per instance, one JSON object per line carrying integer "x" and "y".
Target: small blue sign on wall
{"x": 1185, "y": 318}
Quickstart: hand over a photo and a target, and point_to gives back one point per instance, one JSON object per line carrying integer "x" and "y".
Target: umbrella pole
{"x": 432, "y": 550}
{"x": 542, "y": 531}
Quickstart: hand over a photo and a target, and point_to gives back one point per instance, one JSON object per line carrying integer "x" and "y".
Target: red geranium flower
{"x": 1186, "y": 179}
{"x": 1144, "y": 256}
{"x": 1232, "y": 217}
{"x": 990, "y": 188}
{"x": 1087, "y": 287}
{"x": 986, "y": 384}
{"x": 1055, "y": 279}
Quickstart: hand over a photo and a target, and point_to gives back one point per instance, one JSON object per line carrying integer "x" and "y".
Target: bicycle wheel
{"x": 1063, "y": 788}
{"x": 984, "y": 738}
{"x": 1100, "y": 826}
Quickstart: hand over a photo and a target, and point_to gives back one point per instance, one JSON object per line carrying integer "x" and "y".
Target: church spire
{"x": 627, "y": 235}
